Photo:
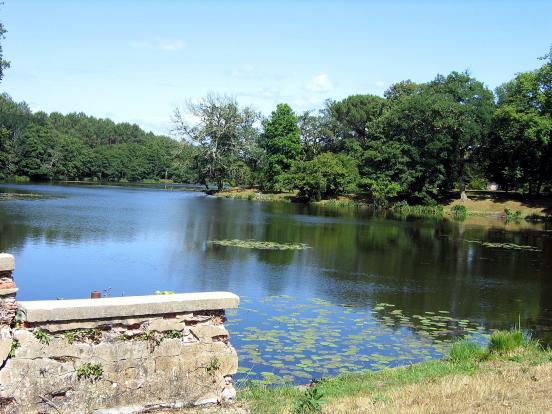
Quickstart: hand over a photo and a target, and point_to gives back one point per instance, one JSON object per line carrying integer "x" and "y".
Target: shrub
{"x": 462, "y": 351}
{"x": 380, "y": 190}
{"x": 459, "y": 211}
{"x": 506, "y": 341}
{"x": 327, "y": 175}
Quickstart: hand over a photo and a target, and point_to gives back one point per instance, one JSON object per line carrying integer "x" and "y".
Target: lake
{"x": 368, "y": 292}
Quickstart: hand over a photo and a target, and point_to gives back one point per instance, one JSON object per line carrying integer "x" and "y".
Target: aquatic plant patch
{"x": 293, "y": 340}
{"x": 509, "y": 246}
{"x": 23, "y": 196}
{"x": 261, "y": 245}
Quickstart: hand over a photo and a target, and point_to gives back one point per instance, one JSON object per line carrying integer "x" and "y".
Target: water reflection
{"x": 138, "y": 240}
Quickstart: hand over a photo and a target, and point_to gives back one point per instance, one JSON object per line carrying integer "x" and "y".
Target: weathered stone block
{"x": 121, "y": 364}
{"x": 7, "y": 262}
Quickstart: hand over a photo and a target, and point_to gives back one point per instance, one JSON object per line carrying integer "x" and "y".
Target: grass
{"x": 499, "y": 204}
{"x": 469, "y": 378}
{"x": 462, "y": 351}
{"x": 506, "y": 341}
{"x": 404, "y": 209}
{"x": 254, "y": 195}
{"x": 511, "y": 207}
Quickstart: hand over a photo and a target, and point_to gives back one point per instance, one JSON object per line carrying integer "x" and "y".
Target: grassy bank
{"x": 509, "y": 206}
{"x": 512, "y": 373}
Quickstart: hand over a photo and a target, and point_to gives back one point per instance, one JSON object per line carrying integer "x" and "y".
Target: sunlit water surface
{"x": 370, "y": 292}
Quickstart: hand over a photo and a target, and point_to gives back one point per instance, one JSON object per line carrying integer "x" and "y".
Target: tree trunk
{"x": 463, "y": 195}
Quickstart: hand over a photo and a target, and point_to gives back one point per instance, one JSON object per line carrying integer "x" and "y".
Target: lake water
{"x": 369, "y": 292}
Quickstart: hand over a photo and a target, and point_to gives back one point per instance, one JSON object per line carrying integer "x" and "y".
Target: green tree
{"x": 471, "y": 107}
{"x": 520, "y": 146}
{"x": 281, "y": 141}
{"x": 353, "y": 119}
{"x": 222, "y": 132}
{"x": 4, "y": 64}
{"x": 327, "y": 175}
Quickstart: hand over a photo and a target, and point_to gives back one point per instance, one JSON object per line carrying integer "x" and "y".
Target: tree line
{"x": 417, "y": 142}
{"x": 75, "y": 146}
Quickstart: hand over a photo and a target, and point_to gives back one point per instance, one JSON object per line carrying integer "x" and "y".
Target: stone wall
{"x": 115, "y": 355}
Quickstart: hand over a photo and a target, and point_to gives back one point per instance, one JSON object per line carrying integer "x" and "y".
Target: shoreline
{"x": 469, "y": 378}
{"x": 485, "y": 204}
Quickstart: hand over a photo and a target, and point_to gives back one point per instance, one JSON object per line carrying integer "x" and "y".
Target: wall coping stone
{"x": 126, "y": 306}
{"x": 7, "y": 262}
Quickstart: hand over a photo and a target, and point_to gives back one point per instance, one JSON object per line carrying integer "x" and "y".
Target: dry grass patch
{"x": 504, "y": 387}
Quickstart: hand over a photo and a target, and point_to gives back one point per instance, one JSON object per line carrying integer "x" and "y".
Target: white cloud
{"x": 170, "y": 45}
{"x": 319, "y": 83}
{"x": 164, "y": 44}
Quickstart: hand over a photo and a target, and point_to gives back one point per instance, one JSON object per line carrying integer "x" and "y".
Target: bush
{"x": 463, "y": 351}
{"x": 459, "y": 211}
{"x": 327, "y": 175}
{"x": 380, "y": 190}
{"x": 506, "y": 341}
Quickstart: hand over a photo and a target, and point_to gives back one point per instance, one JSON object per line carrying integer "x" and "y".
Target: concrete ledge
{"x": 123, "y": 307}
{"x": 7, "y": 262}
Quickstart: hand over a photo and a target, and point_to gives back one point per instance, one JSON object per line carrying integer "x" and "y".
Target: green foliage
{"x": 459, "y": 211}
{"x": 463, "y": 351}
{"x": 402, "y": 208}
{"x": 380, "y": 190}
{"x": 14, "y": 346}
{"x": 213, "y": 365}
{"x": 520, "y": 146}
{"x": 164, "y": 292}
{"x": 309, "y": 402}
{"x": 352, "y": 119}
{"x": 325, "y": 176}
{"x": 4, "y": 64}
{"x": 282, "y": 145}
{"x": 152, "y": 337}
{"x": 506, "y": 341}
{"x": 42, "y": 336}
{"x": 81, "y": 335}
{"x": 89, "y": 371}
{"x": 510, "y": 215}
{"x": 79, "y": 147}
{"x": 173, "y": 334}
{"x": 223, "y": 136}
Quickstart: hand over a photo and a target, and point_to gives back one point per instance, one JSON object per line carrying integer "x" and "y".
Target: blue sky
{"x": 137, "y": 60}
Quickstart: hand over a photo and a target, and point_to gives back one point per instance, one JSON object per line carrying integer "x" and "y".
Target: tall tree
{"x": 520, "y": 148}
{"x": 352, "y": 118}
{"x": 4, "y": 64}
{"x": 471, "y": 106}
{"x": 282, "y": 144}
{"x": 222, "y": 132}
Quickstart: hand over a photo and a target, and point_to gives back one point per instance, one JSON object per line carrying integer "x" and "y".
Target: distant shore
{"x": 494, "y": 204}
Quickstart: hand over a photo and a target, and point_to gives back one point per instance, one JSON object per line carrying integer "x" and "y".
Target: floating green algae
{"x": 509, "y": 246}
{"x": 260, "y": 245}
